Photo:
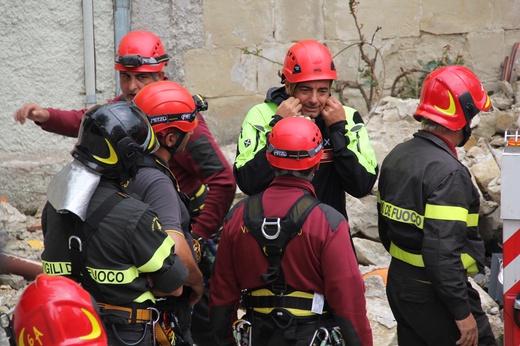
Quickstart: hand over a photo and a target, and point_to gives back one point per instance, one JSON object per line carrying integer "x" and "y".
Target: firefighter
{"x": 348, "y": 164}
{"x": 172, "y": 111}
{"x": 428, "y": 219}
{"x": 95, "y": 233}
{"x": 288, "y": 257}
{"x": 55, "y": 310}
{"x": 202, "y": 170}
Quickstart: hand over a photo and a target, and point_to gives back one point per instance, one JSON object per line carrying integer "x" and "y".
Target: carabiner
{"x": 154, "y": 323}
{"x": 242, "y": 332}
{"x": 337, "y": 337}
{"x": 325, "y": 341}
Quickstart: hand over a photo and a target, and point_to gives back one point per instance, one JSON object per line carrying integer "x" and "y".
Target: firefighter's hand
{"x": 468, "y": 331}
{"x": 32, "y": 112}
{"x": 333, "y": 111}
{"x": 289, "y": 107}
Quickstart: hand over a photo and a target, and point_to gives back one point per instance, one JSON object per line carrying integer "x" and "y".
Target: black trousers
{"x": 423, "y": 320}
{"x": 200, "y": 328}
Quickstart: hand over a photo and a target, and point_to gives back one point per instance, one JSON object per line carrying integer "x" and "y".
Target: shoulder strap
{"x": 79, "y": 236}
{"x": 150, "y": 161}
{"x": 273, "y": 234}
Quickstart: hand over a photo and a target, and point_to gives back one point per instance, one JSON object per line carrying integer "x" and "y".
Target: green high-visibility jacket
{"x": 348, "y": 165}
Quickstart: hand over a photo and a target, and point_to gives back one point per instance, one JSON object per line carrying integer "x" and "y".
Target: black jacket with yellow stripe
{"x": 128, "y": 248}
{"x": 428, "y": 216}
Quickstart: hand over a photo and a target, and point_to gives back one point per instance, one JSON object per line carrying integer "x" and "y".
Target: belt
{"x": 297, "y": 303}
{"x": 133, "y": 315}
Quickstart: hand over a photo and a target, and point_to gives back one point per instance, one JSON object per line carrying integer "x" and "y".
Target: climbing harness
{"x": 270, "y": 237}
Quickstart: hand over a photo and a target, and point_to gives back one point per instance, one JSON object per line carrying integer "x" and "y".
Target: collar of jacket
{"x": 438, "y": 140}
{"x": 276, "y": 95}
{"x": 289, "y": 181}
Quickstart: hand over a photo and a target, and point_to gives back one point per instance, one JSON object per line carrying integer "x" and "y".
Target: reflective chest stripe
{"x": 401, "y": 215}
{"x": 433, "y": 212}
{"x": 102, "y": 276}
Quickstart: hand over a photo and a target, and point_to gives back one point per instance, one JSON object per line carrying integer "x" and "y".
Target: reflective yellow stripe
{"x": 469, "y": 264}
{"x": 200, "y": 191}
{"x": 197, "y": 199}
{"x": 155, "y": 263}
{"x": 56, "y": 268}
{"x": 435, "y": 212}
{"x": 472, "y": 220}
{"x": 405, "y": 256}
{"x": 102, "y": 276}
{"x": 144, "y": 297}
{"x": 119, "y": 277}
{"x": 153, "y": 141}
{"x": 416, "y": 260}
{"x": 401, "y": 215}
{"x": 296, "y": 312}
{"x": 444, "y": 212}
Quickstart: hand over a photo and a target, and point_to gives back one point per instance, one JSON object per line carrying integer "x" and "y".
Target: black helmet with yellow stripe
{"x": 112, "y": 139}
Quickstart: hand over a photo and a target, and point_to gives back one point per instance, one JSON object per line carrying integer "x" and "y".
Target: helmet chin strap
{"x": 173, "y": 148}
{"x": 470, "y": 110}
{"x": 466, "y": 131}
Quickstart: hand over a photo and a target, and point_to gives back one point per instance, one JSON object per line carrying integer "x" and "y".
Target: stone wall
{"x": 41, "y": 48}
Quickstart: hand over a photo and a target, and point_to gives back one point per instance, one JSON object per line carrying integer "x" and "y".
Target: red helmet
{"x": 141, "y": 51}
{"x": 308, "y": 60}
{"x": 451, "y": 96}
{"x": 168, "y": 104}
{"x": 295, "y": 143}
{"x": 55, "y": 310}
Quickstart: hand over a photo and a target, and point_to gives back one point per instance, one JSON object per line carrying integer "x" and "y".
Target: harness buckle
{"x": 269, "y": 224}
{"x": 79, "y": 243}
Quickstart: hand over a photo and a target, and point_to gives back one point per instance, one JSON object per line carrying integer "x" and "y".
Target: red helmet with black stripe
{"x": 451, "y": 96}
{"x": 168, "y": 104}
{"x": 295, "y": 143}
{"x": 141, "y": 51}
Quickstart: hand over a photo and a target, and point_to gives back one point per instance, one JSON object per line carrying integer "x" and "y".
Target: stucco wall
{"x": 41, "y": 47}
